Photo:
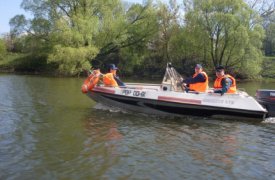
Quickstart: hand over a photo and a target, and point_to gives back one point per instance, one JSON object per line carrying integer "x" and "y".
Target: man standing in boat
{"x": 111, "y": 78}
{"x": 224, "y": 83}
{"x": 199, "y": 81}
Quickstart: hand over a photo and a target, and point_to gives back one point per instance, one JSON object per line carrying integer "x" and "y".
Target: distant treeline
{"x": 67, "y": 37}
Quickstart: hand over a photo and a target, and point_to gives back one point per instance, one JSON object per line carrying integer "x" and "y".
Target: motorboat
{"x": 170, "y": 98}
{"x": 266, "y": 97}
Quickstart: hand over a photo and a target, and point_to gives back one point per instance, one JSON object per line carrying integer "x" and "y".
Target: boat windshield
{"x": 172, "y": 78}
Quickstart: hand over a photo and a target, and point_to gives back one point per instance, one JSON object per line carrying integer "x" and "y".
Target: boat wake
{"x": 99, "y": 106}
{"x": 270, "y": 120}
{"x": 104, "y": 107}
{"x": 112, "y": 109}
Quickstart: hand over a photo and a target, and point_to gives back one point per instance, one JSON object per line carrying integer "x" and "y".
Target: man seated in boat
{"x": 199, "y": 81}
{"x": 224, "y": 83}
{"x": 111, "y": 78}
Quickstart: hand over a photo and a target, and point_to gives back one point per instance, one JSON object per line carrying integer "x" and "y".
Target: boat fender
{"x": 90, "y": 82}
{"x": 84, "y": 88}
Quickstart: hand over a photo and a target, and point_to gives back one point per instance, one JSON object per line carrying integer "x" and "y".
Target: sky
{"x": 10, "y": 8}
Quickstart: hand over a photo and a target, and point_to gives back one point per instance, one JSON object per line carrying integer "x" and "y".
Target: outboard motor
{"x": 267, "y": 99}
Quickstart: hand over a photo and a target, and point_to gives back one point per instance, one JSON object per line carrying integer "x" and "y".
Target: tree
{"x": 223, "y": 30}
{"x": 140, "y": 30}
{"x": 103, "y": 27}
{"x": 269, "y": 43}
{"x": 72, "y": 27}
{"x": 266, "y": 9}
{"x": 168, "y": 16}
{"x": 2, "y": 49}
{"x": 72, "y": 37}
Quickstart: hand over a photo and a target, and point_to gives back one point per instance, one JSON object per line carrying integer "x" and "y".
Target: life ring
{"x": 91, "y": 81}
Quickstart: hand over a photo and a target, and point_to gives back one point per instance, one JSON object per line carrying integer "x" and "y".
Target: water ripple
{"x": 54, "y": 133}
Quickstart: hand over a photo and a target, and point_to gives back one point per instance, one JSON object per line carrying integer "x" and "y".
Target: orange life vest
{"x": 218, "y": 84}
{"x": 200, "y": 86}
{"x": 109, "y": 80}
{"x": 91, "y": 81}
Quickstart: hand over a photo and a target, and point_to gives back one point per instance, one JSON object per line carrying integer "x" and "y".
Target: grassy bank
{"x": 26, "y": 63}
{"x": 7, "y": 64}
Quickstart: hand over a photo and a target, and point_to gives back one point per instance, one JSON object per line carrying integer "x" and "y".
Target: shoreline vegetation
{"x": 67, "y": 38}
{"x": 16, "y": 64}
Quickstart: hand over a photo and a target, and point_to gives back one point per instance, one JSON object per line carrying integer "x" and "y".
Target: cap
{"x": 112, "y": 66}
{"x": 199, "y": 66}
{"x": 219, "y": 68}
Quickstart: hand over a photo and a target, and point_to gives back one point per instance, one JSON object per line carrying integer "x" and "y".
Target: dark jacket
{"x": 199, "y": 78}
{"x": 226, "y": 83}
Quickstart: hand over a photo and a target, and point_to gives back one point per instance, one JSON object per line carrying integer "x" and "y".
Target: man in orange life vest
{"x": 199, "y": 81}
{"x": 111, "y": 78}
{"x": 224, "y": 83}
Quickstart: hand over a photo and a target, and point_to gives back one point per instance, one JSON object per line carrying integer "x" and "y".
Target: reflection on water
{"x": 49, "y": 130}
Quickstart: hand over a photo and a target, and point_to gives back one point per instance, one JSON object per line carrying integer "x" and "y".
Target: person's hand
{"x": 179, "y": 84}
{"x": 210, "y": 91}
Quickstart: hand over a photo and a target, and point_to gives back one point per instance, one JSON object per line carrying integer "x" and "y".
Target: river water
{"x": 50, "y": 130}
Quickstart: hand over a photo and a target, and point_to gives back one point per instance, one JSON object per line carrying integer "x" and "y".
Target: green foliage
{"x": 18, "y": 25}
{"x": 269, "y": 42}
{"x": 169, "y": 28}
{"x": 152, "y": 35}
{"x": 126, "y": 37}
{"x": 30, "y": 63}
{"x": 2, "y": 49}
{"x": 268, "y": 69}
{"x": 223, "y": 30}
{"x": 71, "y": 60}
{"x": 141, "y": 38}
{"x": 140, "y": 30}
{"x": 27, "y": 63}
{"x": 24, "y": 63}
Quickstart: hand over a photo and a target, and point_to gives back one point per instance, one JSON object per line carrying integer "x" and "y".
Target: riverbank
{"x": 21, "y": 63}
{"x": 6, "y": 65}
